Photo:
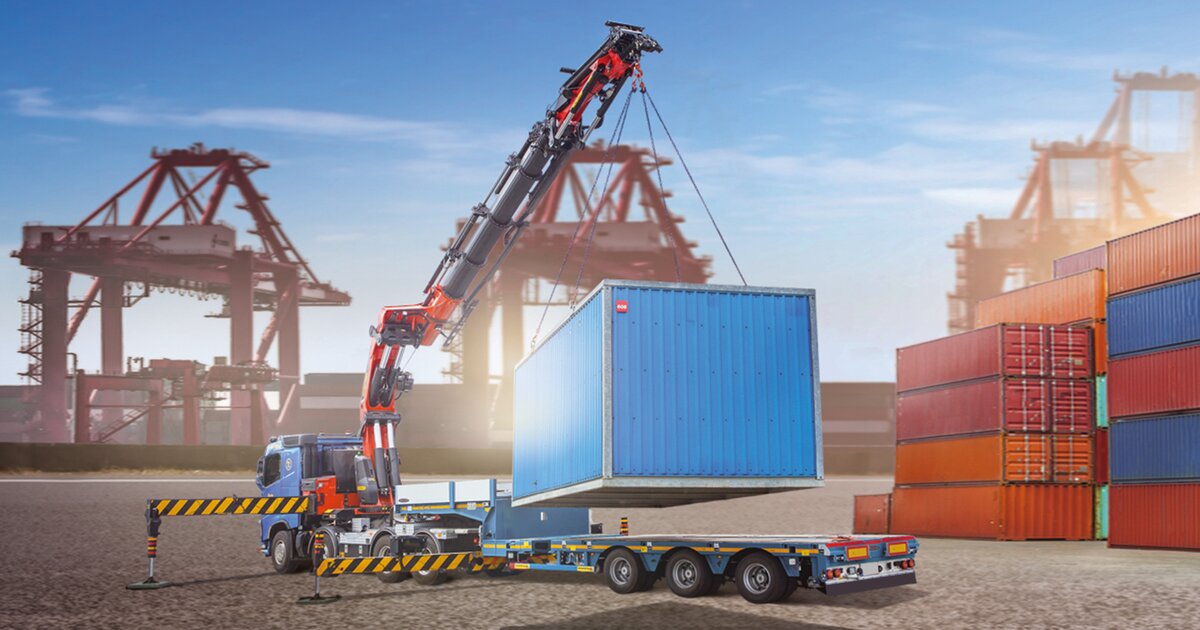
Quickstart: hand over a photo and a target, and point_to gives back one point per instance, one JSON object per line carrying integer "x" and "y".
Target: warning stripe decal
{"x": 230, "y": 505}
{"x": 333, "y": 567}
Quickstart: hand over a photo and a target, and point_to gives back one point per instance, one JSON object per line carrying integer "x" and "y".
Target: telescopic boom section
{"x": 526, "y": 176}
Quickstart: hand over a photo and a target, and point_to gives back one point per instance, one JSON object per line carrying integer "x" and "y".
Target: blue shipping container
{"x": 1158, "y": 317}
{"x": 1158, "y": 448}
{"x": 654, "y": 394}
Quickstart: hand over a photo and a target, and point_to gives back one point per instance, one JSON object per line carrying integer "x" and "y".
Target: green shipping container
{"x": 1101, "y": 520}
{"x": 1102, "y": 400}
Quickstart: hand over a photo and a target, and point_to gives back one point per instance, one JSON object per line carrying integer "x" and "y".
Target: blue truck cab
{"x": 287, "y": 462}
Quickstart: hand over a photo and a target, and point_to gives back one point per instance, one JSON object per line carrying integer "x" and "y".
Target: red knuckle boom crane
{"x": 526, "y": 176}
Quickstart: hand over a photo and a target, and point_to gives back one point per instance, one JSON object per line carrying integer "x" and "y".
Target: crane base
{"x": 147, "y": 585}
{"x": 318, "y": 599}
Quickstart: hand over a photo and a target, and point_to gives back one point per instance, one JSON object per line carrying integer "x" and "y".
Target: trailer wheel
{"x": 429, "y": 578}
{"x": 383, "y": 547}
{"x": 688, "y": 574}
{"x": 283, "y": 552}
{"x": 624, "y": 573}
{"x": 760, "y": 578}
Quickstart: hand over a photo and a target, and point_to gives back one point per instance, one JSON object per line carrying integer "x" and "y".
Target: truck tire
{"x": 624, "y": 573}
{"x": 688, "y": 574}
{"x": 761, "y": 579}
{"x": 383, "y": 547}
{"x": 283, "y": 552}
{"x": 429, "y": 578}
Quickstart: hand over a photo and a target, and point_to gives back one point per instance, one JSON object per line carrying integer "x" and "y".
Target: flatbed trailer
{"x": 764, "y": 568}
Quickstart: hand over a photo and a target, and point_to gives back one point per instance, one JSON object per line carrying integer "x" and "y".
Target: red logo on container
{"x": 622, "y": 306}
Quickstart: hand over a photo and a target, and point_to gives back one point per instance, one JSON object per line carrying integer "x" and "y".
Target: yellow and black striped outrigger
{"x": 333, "y": 567}
{"x": 229, "y": 505}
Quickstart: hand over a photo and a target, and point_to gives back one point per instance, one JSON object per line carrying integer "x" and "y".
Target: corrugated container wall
{"x": 1079, "y": 262}
{"x": 1101, "y": 397}
{"x": 1071, "y": 459}
{"x": 1066, "y": 300}
{"x": 996, "y": 404}
{"x": 1005, "y": 350}
{"x": 1101, "y": 445}
{"x": 1158, "y": 317}
{"x": 1153, "y": 515}
{"x": 1157, "y": 448}
{"x": 705, "y": 392}
{"x": 1017, "y": 457}
{"x": 1160, "y": 254}
{"x": 1007, "y": 512}
{"x": 872, "y": 514}
{"x": 559, "y": 400}
{"x": 1154, "y": 383}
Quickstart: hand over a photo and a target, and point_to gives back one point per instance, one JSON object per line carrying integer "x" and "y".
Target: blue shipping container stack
{"x": 655, "y": 394}
{"x": 1154, "y": 452}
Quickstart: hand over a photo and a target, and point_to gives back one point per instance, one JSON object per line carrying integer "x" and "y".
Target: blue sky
{"x": 840, "y": 144}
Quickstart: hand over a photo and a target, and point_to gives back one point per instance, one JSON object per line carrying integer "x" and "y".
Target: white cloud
{"x": 994, "y": 200}
{"x": 434, "y": 136}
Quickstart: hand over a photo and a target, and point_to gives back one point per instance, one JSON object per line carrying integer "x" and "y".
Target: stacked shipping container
{"x": 1075, "y": 297}
{"x": 1154, "y": 386}
{"x": 993, "y": 430}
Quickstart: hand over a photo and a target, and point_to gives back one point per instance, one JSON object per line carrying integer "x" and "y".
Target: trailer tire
{"x": 761, "y": 579}
{"x": 625, "y": 574}
{"x": 283, "y": 552}
{"x": 429, "y": 578}
{"x": 383, "y": 547}
{"x": 688, "y": 574}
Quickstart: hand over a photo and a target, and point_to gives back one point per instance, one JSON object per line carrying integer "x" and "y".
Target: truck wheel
{"x": 688, "y": 574}
{"x": 624, "y": 573}
{"x": 383, "y": 547}
{"x": 283, "y": 554}
{"x": 760, "y": 578}
{"x": 429, "y": 578}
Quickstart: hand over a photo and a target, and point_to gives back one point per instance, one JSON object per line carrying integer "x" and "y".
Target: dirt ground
{"x": 72, "y": 543}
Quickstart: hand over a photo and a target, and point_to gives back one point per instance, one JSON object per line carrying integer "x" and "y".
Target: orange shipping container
{"x": 1159, "y": 254}
{"x": 1016, "y": 457}
{"x": 1007, "y": 512}
{"x": 1071, "y": 299}
{"x": 872, "y": 513}
{"x": 1071, "y": 460}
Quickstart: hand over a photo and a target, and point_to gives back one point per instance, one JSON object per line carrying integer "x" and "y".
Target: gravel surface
{"x": 70, "y": 546}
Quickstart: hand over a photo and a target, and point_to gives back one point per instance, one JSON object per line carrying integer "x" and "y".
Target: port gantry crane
{"x": 527, "y": 175}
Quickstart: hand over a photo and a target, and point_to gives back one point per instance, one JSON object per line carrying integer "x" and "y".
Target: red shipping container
{"x": 1015, "y": 457}
{"x": 872, "y": 514}
{"x": 1163, "y": 515}
{"x": 1159, "y": 254}
{"x": 1004, "y": 350}
{"x": 1071, "y": 459}
{"x": 1158, "y": 382}
{"x": 1009, "y": 404}
{"x": 1100, "y": 447}
{"x": 1007, "y": 512}
{"x": 1080, "y": 297}
{"x": 1079, "y": 262}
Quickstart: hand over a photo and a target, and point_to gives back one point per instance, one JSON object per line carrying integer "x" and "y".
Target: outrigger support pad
{"x": 318, "y": 556}
{"x": 153, "y": 521}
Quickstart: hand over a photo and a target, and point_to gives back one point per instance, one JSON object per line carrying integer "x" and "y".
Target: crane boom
{"x": 525, "y": 177}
